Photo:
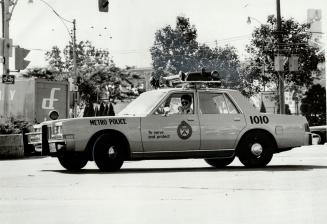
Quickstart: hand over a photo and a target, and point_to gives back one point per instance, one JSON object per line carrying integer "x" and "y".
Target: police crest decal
{"x": 184, "y": 130}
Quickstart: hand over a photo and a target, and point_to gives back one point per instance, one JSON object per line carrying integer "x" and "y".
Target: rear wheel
{"x": 72, "y": 161}
{"x": 220, "y": 162}
{"x": 108, "y": 153}
{"x": 322, "y": 137}
{"x": 256, "y": 149}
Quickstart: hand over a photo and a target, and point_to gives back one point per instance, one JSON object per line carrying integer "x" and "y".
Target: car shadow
{"x": 272, "y": 168}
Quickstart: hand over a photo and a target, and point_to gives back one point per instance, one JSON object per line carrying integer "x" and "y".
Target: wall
{"x": 33, "y": 99}
{"x": 21, "y": 99}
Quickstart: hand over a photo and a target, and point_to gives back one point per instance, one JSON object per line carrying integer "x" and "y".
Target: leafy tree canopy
{"x": 97, "y": 76}
{"x": 86, "y": 56}
{"x": 46, "y": 73}
{"x": 176, "y": 49}
{"x": 295, "y": 40}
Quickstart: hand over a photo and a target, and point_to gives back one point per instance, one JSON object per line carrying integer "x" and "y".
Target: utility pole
{"x": 72, "y": 36}
{"x": 75, "y": 68}
{"x": 5, "y": 36}
{"x": 74, "y": 49}
{"x": 280, "y": 73}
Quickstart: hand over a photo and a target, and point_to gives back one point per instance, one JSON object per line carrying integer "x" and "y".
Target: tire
{"x": 72, "y": 161}
{"x": 256, "y": 149}
{"x": 220, "y": 162}
{"x": 108, "y": 153}
{"x": 322, "y": 137}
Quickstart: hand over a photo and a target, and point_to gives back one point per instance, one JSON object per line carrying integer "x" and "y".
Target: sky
{"x": 127, "y": 31}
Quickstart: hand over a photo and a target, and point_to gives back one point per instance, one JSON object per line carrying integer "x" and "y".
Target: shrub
{"x": 13, "y": 126}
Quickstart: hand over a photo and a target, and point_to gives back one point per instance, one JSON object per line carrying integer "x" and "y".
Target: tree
{"x": 87, "y": 56}
{"x": 95, "y": 84}
{"x": 222, "y": 59}
{"x": 54, "y": 59}
{"x": 173, "y": 49}
{"x": 176, "y": 49}
{"x": 45, "y": 73}
{"x": 313, "y": 105}
{"x": 95, "y": 70}
{"x": 295, "y": 40}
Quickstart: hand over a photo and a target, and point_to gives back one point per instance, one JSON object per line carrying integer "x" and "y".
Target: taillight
{"x": 306, "y": 127}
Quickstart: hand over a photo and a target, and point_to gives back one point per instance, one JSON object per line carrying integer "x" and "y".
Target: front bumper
{"x": 44, "y": 144}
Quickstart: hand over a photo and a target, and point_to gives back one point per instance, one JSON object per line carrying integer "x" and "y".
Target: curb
{"x": 11, "y": 146}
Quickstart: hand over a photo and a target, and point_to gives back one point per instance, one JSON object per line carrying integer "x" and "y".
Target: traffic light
{"x": 103, "y": 5}
{"x": 20, "y": 62}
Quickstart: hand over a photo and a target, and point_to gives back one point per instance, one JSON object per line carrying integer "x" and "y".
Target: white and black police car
{"x": 214, "y": 124}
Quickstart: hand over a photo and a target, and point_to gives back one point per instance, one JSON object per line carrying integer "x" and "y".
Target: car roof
{"x": 201, "y": 89}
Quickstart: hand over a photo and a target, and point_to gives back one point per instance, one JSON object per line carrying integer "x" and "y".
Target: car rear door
{"x": 221, "y": 121}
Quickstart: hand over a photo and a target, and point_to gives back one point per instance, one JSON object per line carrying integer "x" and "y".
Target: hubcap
{"x": 112, "y": 152}
{"x": 256, "y": 149}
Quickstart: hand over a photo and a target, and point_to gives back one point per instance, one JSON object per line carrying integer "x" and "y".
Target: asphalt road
{"x": 292, "y": 189}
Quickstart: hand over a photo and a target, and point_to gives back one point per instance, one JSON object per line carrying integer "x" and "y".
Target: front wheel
{"x": 72, "y": 161}
{"x": 256, "y": 149}
{"x": 220, "y": 162}
{"x": 108, "y": 153}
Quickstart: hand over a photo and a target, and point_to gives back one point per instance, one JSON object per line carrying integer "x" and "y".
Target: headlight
{"x": 58, "y": 128}
{"x": 57, "y": 132}
{"x": 36, "y": 135}
{"x": 37, "y": 128}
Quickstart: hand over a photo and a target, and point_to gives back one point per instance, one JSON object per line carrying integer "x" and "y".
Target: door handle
{"x": 237, "y": 119}
{"x": 190, "y": 119}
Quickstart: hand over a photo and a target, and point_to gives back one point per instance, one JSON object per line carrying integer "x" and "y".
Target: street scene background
{"x": 82, "y": 58}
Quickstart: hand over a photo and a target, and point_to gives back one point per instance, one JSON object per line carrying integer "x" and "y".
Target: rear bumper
{"x": 308, "y": 138}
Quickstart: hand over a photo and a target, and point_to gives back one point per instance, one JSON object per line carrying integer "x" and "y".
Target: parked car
{"x": 217, "y": 125}
{"x": 320, "y": 132}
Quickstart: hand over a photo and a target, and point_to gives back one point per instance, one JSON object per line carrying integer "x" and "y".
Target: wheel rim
{"x": 112, "y": 152}
{"x": 256, "y": 149}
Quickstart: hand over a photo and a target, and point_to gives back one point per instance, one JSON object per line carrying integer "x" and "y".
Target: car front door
{"x": 167, "y": 130}
{"x": 221, "y": 121}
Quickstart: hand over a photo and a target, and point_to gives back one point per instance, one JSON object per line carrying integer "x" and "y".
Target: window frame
{"x": 226, "y": 97}
{"x": 181, "y": 92}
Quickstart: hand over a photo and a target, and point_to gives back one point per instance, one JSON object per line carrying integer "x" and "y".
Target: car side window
{"x": 208, "y": 104}
{"x": 178, "y": 103}
{"x": 216, "y": 103}
{"x": 231, "y": 107}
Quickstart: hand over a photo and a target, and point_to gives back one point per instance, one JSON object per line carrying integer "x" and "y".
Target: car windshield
{"x": 143, "y": 105}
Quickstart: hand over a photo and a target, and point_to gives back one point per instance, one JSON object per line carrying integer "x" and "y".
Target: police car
{"x": 194, "y": 121}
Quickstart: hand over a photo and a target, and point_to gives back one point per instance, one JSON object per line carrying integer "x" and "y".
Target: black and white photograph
{"x": 163, "y": 112}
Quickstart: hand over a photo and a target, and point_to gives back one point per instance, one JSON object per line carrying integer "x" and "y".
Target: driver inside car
{"x": 185, "y": 108}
